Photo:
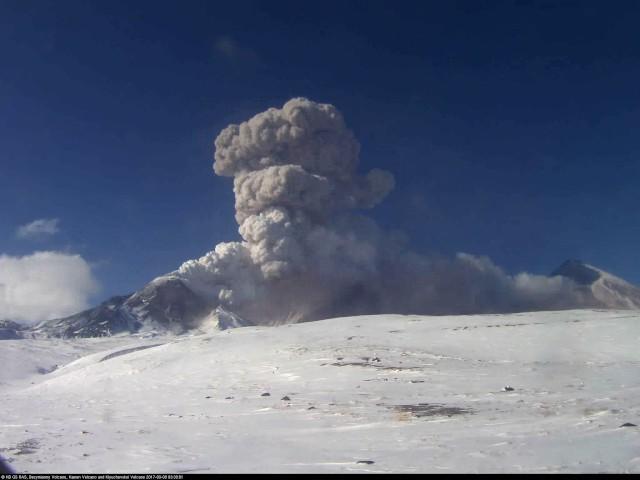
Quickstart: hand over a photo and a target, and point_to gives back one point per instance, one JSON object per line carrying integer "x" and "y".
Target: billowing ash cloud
{"x": 309, "y": 253}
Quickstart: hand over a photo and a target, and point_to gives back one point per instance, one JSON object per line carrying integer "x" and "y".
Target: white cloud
{"x": 43, "y": 227}
{"x": 44, "y": 285}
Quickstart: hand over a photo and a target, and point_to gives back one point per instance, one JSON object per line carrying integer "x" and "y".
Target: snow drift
{"x": 389, "y": 393}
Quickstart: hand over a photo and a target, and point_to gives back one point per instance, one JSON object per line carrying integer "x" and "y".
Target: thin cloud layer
{"x": 44, "y": 285}
{"x": 229, "y": 48}
{"x": 38, "y": 229}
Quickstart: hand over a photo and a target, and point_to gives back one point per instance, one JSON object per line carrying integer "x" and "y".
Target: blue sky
{"x": 511, "y": 126}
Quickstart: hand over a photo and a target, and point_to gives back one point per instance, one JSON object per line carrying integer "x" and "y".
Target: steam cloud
{"x": 309, "y": 253}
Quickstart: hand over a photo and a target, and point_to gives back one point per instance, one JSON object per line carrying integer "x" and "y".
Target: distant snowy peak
{"x": 608, "y": 291}
{"x": 579, "y": 272}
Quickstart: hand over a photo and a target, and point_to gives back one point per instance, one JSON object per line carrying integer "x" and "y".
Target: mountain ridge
{"x": 168, "y": 304}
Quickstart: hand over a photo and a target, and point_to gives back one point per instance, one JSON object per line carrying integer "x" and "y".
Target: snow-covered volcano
{"x": 308, "y": 251}
{"x": 528, "y": 392}
{"x": 606, "y": 290}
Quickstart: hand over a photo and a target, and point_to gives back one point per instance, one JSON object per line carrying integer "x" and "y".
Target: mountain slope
{"x": 108, "y": 318}
{"x": 10, "y": 330}
{"x": 386, "y": 393}
{"x": 168, "y": 304}
{"x": 606, "y": 290}
{"x": 165, "y": 304}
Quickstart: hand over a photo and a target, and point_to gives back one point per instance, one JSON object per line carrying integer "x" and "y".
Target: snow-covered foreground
{"x": 384, "y": 393}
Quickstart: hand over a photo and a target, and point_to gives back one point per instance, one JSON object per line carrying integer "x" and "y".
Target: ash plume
{"x": 308, "y": 252}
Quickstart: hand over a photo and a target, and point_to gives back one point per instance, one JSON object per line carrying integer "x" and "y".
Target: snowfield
{"x": 529, "y": 392}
